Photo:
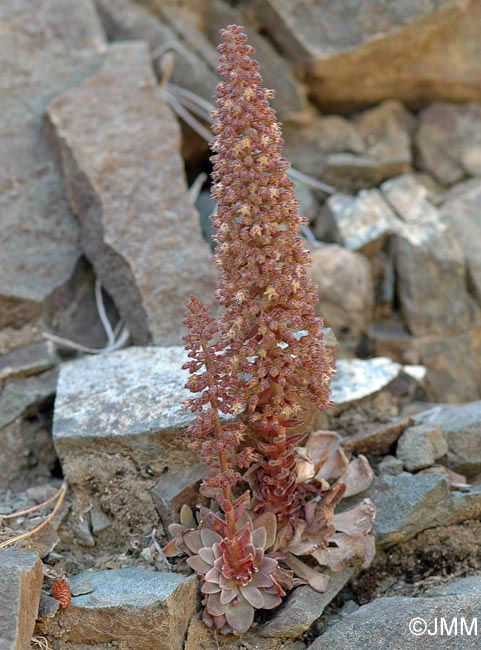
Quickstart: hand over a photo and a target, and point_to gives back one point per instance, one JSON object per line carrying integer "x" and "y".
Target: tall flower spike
{"x": 273, "y": 338}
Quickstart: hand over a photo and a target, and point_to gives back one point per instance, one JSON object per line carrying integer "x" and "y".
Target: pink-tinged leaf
{"x": 198, "y": 564}
{"x": 327, "y": 455}
{"x": 271, "y": 600}
{"x": 228, "y": 595}
{"x": 209, "y": 537}
{"x": 260, "y": 579}
{"x": 316, "y": 580}
{"x": 259, "y": 537}
{"x": 268, "y": 521}
{"x": 187, "y": 518}
{"x": 268, "y": 565}
{"x": 207, "y": 554}
{"x": 213, "y": 575}
{"x": 210, "y": 588}
{"x": 253, "y": 596}
{"x": 175, "y": 529}
{"x": 258, "y": 556}
{"x": 358, "y": 520}
{"x": 358, "y": 476}
{"x": 193, "y": 541}
{"x": 214, "y": 606}
{"x": 171, "y": 549}
{"x": 240, "y": 616}
{"x": 227, "y": 583}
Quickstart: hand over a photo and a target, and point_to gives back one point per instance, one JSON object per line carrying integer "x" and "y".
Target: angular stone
{"x": 386, "y": 622}
{"x": 408, "y": 504}
{"x": 24, "y": 440}
{"x": 427, "y": 256}
{"x": 378, "y": 440}
{"x": 448, "y": 141}
{"x": 390, "y": 466}
{"x": 460, "y": 212}
{"x": 462, "y": 427}
{"x": 448, "y": 358}
{"x": 39, "y": 237}
{"x": 304, "y": 607}
{"x": 352, "y": 155}
{"x": 140, "y": 609}
{"x": 349, "y": 50}
{"x": 125, "y": 20}
{"x": 420, "y": 446}
{"x": 459, "y": 587}
{"x": 290, "y": 97}
{"x": 175, "y": 488}
{"x": 363, "y": 221}
{"x": 124, "y": 408}
{"x": 356, "y": 379}
{"x": 29, "y": 360}
{"x": 20, "y": 583}
{"x": 345, "y": 290}
{"x": 125, "y": 181}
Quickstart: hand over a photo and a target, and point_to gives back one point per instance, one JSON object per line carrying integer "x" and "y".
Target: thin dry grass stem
{"x": 182, "y": 100}
{"x": 156, "y": 545}
{"x": 175, "y": 46}
{"x": 117, "y": 337}
{"x": 195, "y": 188}
{"x": 41, "y": 642}
{"x": 20, "y": 513}
{"x": 188, "y": 118}
{"x": 61, "y": 497}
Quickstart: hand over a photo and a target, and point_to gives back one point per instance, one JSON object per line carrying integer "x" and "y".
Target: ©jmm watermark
{"x": 456, "y": 626}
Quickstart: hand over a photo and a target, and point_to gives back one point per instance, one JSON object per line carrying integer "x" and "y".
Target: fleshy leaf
{"x": 268, "y": 521}
{"x": 358, "y": 520}
{"x": 316, "y": 580}
{"x": 193, "y": 540}
{"x": 187, "y": 518}
{"x": 358, "y": 476}
{"x": 210, "y": 588}
{"x": 259, "y": 537}
{"x": 271, "y": 600}
{"x": 209, "y": 537}
{"x": 253, "y": 596}
{"x": 214, "y": 606}
{"x": 207, "y": 554}
{"x": 240, "y": 616}
{"x": 171, "y": 549}
{"x": 197, "y": 563}
{"x": 228, "y": 595}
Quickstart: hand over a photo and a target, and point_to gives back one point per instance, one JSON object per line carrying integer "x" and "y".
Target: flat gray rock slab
{"x": 357, "y": 379}
{"x": 119, "y": 144}
{"x": 427, "y": 255}
{"x": 407, "y": 504}
{"x": 28, "y": 360}
{"x": 20, "y": 583}
{"x": 303, "y": 607}
{"x": 39, "y": 236}
{"x": 386, "y": 623}
{"x": 141, "y": 609}
{"x": 461, "y": 424}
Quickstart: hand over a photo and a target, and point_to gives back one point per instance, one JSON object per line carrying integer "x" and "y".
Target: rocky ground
{"x": 105, "y": 232}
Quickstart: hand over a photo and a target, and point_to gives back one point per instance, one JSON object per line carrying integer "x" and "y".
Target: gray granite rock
{"x": 118, "y": 428}
{"x": 390, "y": 466}
{"x": 408, "y": 504}
{"x": 125, "y": 20}
{"x": 349, "y": 49}
{"x": 125, "y": 182}
{"x": 462, "y": 427}
{"x": 39, "y": 237}
{"x": 20, "y": 583}
{"x": 409, "y": 623}
{"x": 290, "y": 97}
{"x": 448, "y": 141}
{"x": 136, "y": 608}
{"x": 29, "y": 360}
{"x": 362, "y": 222}
{"x": 420, "y": 446}
{"x": 345, "y": 290}
{"x": 427, "y": 255}
{"x": 303, "y": 607}
{"x": 357, "y": 379}
{"x": 352, "y": 155}
{"x": 461, "y": 586}
{"x": 460, "y": 212}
